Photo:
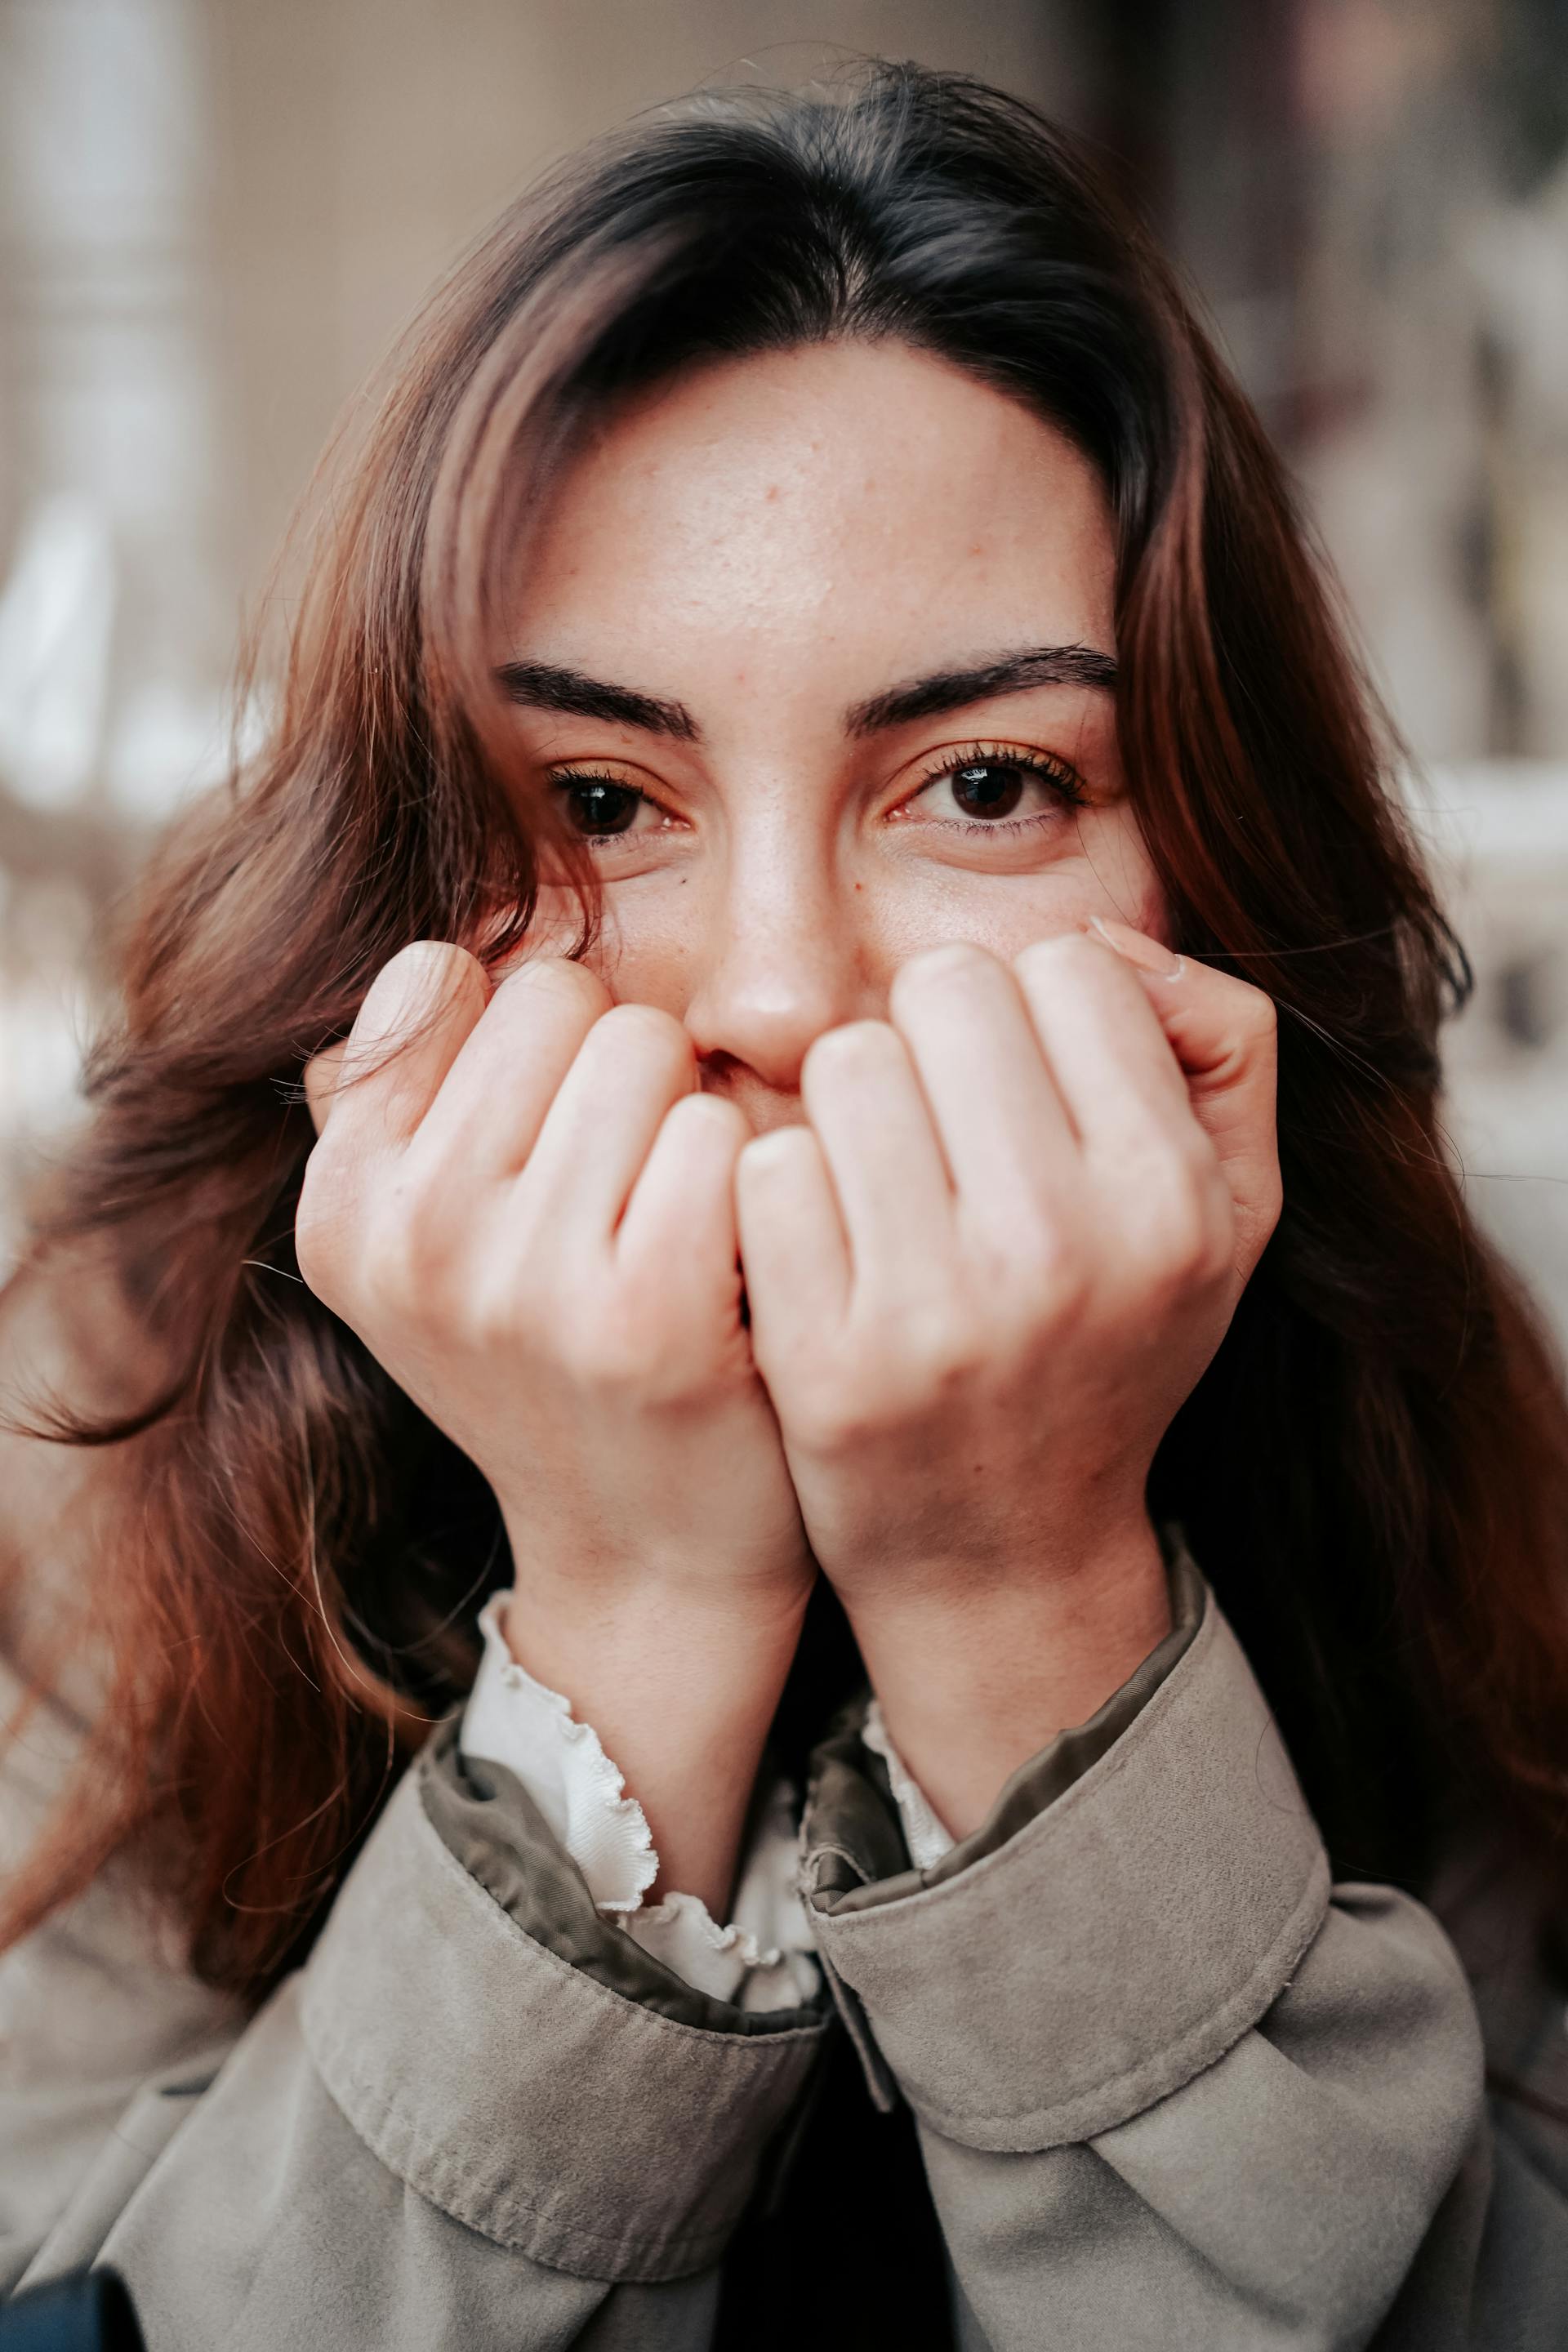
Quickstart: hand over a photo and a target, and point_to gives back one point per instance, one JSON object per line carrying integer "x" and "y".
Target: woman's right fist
{"x": 526, "y": 1211}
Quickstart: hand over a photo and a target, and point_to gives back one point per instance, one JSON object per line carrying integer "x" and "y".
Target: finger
{"x": 319, "y": 1078}
{"x": 1007, "y": 1134}
{"x": 500, "y": 1086}
{"x": 418, "y": 1011}
{"x": 1160, "y": 1199}
{"x": 1107, "y": 1052}
{"x": 634, "y": 1064}
{"x": 794, "y": 1251}
{"x": 1223, "y": 1032}
{"x": 680, "y": 1218}
{"x": 864, "y": 1101}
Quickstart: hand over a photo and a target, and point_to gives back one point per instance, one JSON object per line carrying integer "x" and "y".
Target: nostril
{"x": 764, "y": 1103}
{"x": 716, "y": 1073}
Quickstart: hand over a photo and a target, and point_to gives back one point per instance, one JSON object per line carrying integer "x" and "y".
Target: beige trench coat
{"x": 1172, "y": 2087}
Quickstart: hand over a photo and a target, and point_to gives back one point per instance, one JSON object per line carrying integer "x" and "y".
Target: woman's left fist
{"x": 986, "y": 1275}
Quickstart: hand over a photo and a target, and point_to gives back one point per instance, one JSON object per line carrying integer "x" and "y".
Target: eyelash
{"x": 1063, "y": 781}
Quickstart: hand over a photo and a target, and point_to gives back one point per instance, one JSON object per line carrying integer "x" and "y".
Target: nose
{"x": 787, "y": 959}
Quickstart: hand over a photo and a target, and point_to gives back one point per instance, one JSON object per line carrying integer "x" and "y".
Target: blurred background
{"x": 216, "y": 214}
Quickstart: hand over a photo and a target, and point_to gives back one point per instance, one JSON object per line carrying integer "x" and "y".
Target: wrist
{"x": 711, "y": 1665}
{"x": 617, "y": 1562}
{"x": 680, "y": 1692}
{"x": 973, "y": 1681}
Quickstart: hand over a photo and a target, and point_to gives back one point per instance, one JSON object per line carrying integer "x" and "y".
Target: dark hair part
{"x": 1373, "y": 1472}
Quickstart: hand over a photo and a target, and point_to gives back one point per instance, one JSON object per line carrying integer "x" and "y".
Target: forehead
{"x": 853, "y": 508}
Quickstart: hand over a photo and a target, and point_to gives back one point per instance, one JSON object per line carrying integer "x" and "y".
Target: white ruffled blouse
{"x": 764, "y": 1958}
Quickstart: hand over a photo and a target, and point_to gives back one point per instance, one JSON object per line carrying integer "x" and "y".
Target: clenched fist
{"x": 982, "y": 1280}
{"x": 526, "y": 1212}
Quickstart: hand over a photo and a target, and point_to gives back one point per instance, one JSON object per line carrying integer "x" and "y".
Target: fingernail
{"x": 1136, "y": 948}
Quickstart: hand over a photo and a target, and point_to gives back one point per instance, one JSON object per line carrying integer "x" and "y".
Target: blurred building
{"x": 1373, "y": 196}
{"x": 213, "y": 218}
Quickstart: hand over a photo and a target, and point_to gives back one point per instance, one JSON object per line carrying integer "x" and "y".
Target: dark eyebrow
{"x": 955, "y": 689}
{"x": 539, "y": 686}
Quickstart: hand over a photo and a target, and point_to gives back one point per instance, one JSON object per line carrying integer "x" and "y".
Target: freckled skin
{"x": 1002, "y": 1224}
{"x": 767, "y": 542}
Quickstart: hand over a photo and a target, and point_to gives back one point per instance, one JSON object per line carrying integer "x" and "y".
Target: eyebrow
{"x": 955, "y": 689}
{"x": 540, "y": 686}
{"x": 545, "y": 686}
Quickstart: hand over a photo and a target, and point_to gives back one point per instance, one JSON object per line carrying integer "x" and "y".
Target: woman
{"x": 813, "y": 759}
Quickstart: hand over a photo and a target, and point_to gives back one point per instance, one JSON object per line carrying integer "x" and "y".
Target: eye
{"x": 599, "y": 807}
{"x": 988, "y": 787}
{"x": 982, "y": 789}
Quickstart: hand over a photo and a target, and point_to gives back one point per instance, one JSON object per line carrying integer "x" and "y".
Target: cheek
{"x": 650, "y": 945}
{"x": 926, "y": 904}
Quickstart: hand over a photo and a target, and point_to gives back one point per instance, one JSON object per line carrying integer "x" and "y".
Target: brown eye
{"x": 989, "y": 787}
{"x": 981, "y": 789}
{"x": 594, "y": 805}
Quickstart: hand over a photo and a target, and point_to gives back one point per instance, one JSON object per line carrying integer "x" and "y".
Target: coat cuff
{"x": 536, "y": 2099}
{"x": 1065, "y": 1969}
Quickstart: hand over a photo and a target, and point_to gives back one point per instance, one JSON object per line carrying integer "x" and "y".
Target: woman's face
{"x": 817, "y": 648}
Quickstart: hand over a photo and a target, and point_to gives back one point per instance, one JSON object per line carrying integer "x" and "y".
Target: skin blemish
{"x": 773, "y": 491}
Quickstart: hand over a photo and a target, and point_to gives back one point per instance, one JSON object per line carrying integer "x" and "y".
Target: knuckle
{"x": 512, "y": 1312}
{"x": 315, "y": 1251}
{"x": 658, "y": 1321}
{"x": 1070, "y": 953}
{"x": 1248, "y": 1027}
{"x": 1193, "y": 1159}
{"x": 927, "y": 1346}
{"x": 323, "y": 1216}
{"x": 1051, "y": 1249}
{"x": 493, "y": 1322}
{"x": 919, "y": 1359}
{"x": 710, "y": 1120}
{"x": 853, "y": 1047}
{"x": 556, "y": 987}
{"x": 645, "y": 1032}
{"x": 1178, "y": 1241}
{"x": 1040, "y": 1274}
{"x": 1052, "y": 1301}
{"x": 828, "y": 1397}
{"x": 948, "y": 1372}
{"x": 410, "y": 1248}
{"x": 1256, "y": 1005}
{"x": 937, "y": 968}
{"x": 425, "y": 973}
{"x": 608, "y": 1357}
{"x": 397, "y": 1261}
{"x": 1062, "y": 947}
{"x": 440, "y": 964}
{"x": 831, "y": 1424}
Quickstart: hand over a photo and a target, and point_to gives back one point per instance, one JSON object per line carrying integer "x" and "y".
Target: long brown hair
{"x": 1374, "y": 1470}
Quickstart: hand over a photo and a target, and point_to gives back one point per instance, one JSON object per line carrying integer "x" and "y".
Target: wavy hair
{"x": 1374, "y": 1470}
